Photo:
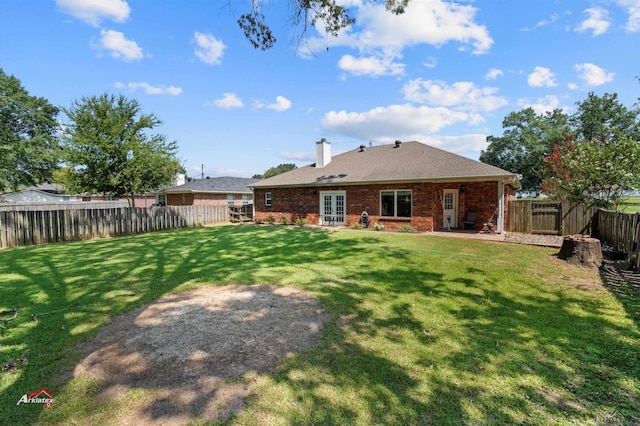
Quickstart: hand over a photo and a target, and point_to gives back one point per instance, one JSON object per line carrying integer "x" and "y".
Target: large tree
{"x": 527, "y": 138}
{"x": 29, "y": 146}
{"x": 273, "y": 171}
{"x": 333, "y": 15}
{"x": 602, "y": 117}
{"x": 108, "y": 151}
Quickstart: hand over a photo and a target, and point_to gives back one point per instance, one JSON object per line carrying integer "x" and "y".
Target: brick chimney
{"x": 323, "y": 153}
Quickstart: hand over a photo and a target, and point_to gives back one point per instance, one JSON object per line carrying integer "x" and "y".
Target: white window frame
{"x": 245, "y": 199}
{"x": 267, "y": 199}
{"x": 231, "y": 199}
{"x": 395, "y": 203}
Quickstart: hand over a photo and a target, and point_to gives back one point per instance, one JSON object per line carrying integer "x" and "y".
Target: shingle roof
{"x": 223, "y": 184}
{"x": 411, "y": 161}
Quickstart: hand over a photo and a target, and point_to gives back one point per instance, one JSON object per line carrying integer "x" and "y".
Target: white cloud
{"x": 493, "y": 74}
{"x": 430, "y": 62}
{"x": 371, "y": 65}
{"x": 593, "y": 75}
{"x": 386, "y": 124}
{"x": 633, "y": 9}
{"x": 281, "y": 104}
{"x": 543, "y": 23}
{"x": 597, "y": 22}
{"x": 149, "y": 89}
{"x": 542, "y": 105}
{"x": 298, "y": 156}
{"x": 209, "y": 48}
{"x": 118, "y": 46}
{"x": 94, "y": 11}
{"x": 434, "y": 22}
{"x": 227, "y": 101}
{"x": 470, "y": 144}
{"x": 541, "y": 77}
{"x": 464, "y": 95}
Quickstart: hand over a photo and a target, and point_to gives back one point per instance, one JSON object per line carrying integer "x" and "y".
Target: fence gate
{"x": 546, "y": 218}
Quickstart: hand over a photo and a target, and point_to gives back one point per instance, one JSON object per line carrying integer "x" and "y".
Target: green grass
{"x": 425, "y": 330}
{"x": 630, "y": 205}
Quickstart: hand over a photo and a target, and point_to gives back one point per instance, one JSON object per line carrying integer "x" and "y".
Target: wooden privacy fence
{"x": 622, "y": 232}
{"x": 29, "y": 227}
{"x": 549, "y": 217}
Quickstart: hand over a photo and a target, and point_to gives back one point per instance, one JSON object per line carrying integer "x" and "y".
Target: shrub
{"x": 271, "y": 218}
{"x": 356, "y": 226}
{"x": 300, "y": 221}
{"x": 405, "y": 228}
{"x": 284, "y": 218}
{"x": 378, "y": 226}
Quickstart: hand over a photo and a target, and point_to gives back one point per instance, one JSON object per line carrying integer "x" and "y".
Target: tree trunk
{"x": 581, "y": 250}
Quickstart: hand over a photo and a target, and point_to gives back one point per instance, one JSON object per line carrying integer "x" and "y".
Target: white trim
{"x": 500, "y": 219}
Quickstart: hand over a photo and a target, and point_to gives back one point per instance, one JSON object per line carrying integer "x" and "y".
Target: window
{"x": 231, "y": 199}
{"x": 395, "y": 203}
{"x": 245, "y": 199}
{"x": 267, "y": 199}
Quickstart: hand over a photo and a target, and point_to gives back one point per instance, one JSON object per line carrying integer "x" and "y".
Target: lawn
{"x": 630, "y": 205}
{"x": 424, "y": 329}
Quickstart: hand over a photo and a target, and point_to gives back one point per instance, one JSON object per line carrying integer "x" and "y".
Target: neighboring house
{"x": 42, "y": 193}
{"x": 210, "y": 191}
{"x": 406, "y": 183}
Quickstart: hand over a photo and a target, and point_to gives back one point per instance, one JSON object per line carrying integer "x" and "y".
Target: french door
{"x": 332, "y": 207}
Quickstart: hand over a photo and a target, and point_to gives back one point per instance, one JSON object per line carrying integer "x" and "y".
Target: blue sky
{"x": 446, "y": 73}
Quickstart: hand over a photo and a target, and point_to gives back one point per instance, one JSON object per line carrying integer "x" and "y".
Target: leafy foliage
{"x": 527, "y": 138}
{"x": 600, "y": 160}
{"x": 589, "y": 157}
{"x": 273, "y": 171}
{"x": 593, "y": 172}
{"x": 599, "y": 118}
{"x": 29, "y": 146}
{"x": 109, "y": 152}
{"x": 333, "y": 15}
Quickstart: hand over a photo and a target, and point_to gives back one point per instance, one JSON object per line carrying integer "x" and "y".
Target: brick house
{"x": 217, "y": 191}
{"x": 406, "y": 183}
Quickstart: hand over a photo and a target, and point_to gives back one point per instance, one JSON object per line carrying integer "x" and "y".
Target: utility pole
{"x": 203, "y": 171}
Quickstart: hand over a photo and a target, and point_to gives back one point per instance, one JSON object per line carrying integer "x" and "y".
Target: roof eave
{"x": 507, "y": 179}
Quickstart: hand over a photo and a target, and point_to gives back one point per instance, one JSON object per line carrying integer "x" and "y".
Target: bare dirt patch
{"x": 196, "y": 350}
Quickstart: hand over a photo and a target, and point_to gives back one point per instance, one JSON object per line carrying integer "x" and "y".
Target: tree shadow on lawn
{"x": 500, "y": 357}
{"x": 72, "y": 289}
{"x": 560, "y": 355}
{"x": 407, "y": 345}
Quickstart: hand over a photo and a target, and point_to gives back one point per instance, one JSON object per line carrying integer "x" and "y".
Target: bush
{"x": 271, "y": 218}
{"x": 356, "y": 226}
{"x": 405, "y": 228}
{"x": 378, "y": 226}
{"x": 284, "y": 218}
{"x": 300, "y": 221}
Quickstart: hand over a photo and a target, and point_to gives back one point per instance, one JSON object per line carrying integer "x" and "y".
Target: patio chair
{"x": 470, "y": 220}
